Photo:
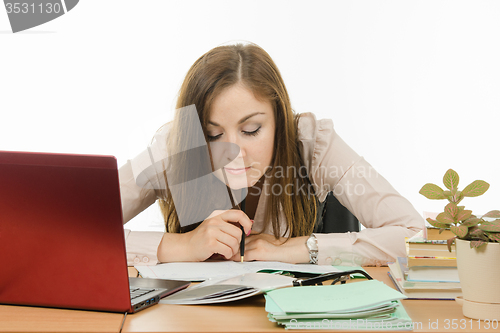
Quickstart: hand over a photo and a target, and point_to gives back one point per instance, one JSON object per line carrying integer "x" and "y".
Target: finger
{"x": 252, "y": 245}
{"x": 253, "y": 238}
{"x": 267, "y": 237}
{"x": 234, "y": 215}
{"x": 223, "y": 250}
{"x": 253, "y": 254}
{"x": 237, "y": 257}
{"x": 215, "y": 213}
{"x": 218, "y": 224}
{"x": 229, "y": 228}
{"x": 249, "y": 240}
{"x": 230, "y": 241}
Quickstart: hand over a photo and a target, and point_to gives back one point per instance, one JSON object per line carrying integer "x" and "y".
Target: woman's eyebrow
{"x": 242, "y": 120}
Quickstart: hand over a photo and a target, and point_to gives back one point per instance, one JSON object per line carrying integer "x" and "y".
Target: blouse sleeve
{"x": 388, "y": 217}
{"x": 138, "y": 182}
{"x": 142, "y": 246}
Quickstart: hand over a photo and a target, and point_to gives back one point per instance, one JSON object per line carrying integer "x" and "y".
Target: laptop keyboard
{"x": 137, "y": 292}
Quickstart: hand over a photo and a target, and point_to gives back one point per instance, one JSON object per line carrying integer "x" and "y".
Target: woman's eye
{"x": 213, "y": 137}
{"x": 253, "y": 133}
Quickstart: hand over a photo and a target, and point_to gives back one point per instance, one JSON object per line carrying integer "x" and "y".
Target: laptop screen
{"x": 61, "y": 232}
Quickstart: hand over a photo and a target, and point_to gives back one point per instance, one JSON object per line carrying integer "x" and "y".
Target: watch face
{"x": 312, "y": 244}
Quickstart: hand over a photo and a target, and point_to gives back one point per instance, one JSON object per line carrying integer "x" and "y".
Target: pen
{"x": 242, "y": 243}
{"x": 236, "y": 206}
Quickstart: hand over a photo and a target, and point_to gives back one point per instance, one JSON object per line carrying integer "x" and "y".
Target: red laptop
{"x": 61, "y": 235}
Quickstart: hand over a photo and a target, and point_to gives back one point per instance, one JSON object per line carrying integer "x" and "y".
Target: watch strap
{"x": 312, "y": 246}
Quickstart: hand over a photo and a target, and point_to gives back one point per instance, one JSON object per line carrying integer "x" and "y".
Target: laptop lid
{"x": 61, "y": 232}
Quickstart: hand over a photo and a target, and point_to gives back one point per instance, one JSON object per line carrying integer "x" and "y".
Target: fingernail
{"x": 249, "y": 231}
{"x": 251, "y": 221}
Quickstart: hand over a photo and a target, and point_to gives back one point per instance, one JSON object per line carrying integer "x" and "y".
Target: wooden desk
{"x": 240, "y": 316}
{"x": 249, "y": 316}
{"x": 33, "y": 319}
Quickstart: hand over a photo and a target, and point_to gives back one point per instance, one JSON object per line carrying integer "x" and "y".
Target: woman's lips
{"x": 237, "y": 171}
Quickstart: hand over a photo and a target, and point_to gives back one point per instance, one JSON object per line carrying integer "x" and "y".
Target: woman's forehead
{"x": 237, "y": 104}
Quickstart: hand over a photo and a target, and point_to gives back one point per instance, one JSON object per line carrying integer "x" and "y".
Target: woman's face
{"x": 238, "y": 117}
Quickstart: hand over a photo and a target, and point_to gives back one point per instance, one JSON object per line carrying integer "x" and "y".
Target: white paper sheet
{"x": 200, "y": 271}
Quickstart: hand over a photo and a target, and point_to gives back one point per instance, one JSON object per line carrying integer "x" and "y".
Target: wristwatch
{"x": 312, "y": 246}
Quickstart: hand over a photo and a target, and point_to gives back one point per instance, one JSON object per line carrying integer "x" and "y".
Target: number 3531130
{"x": 32, "y": 8}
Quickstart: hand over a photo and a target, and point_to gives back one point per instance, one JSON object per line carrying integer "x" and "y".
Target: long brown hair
{"x": 248, "y": 64}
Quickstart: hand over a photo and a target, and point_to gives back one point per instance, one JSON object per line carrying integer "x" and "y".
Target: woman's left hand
{"x": 265, "y": 247}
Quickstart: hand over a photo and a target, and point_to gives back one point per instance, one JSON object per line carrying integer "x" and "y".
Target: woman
{"x": 286, "y": 162}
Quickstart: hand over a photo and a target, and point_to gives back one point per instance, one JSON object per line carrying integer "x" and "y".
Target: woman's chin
{"x": 241, "y": 181}
{"x": 238, "y": 184}
{"x": 234, "y": 183}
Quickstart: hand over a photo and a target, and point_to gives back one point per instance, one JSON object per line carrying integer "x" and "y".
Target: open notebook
{"x": 232, "y": 289}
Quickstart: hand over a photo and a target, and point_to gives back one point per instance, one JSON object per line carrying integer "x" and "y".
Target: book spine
{"x": 431, "y": 253}
{"x": 432, "y": 261}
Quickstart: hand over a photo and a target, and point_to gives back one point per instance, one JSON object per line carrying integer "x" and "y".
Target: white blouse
{"x": 332, "y": 166}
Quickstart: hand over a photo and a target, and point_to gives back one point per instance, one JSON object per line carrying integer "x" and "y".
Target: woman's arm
{"x": 333, "y": 166}
{"x": 142, "y": 246}
{"x": 387, "y": 216}
{"x": 214, "y": 235}
{"x": 219, "y": 233}
{"x": 267, "y": 248}
{"x": 134, "y": 198}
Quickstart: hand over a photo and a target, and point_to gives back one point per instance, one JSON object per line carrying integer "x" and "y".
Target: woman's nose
{"x": 242, "y": 152}
{"x": 236, "y": 146}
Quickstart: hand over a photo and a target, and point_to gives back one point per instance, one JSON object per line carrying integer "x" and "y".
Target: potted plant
{"x": 477, "y": 245}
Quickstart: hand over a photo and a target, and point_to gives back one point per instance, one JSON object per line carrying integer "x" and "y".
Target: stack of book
{"x": 431, "y": 261}
{"x": 430, "y": 270}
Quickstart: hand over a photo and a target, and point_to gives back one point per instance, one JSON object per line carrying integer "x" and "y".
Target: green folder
{"x": 396, "y": 320}
{"x": 358, "y": 305}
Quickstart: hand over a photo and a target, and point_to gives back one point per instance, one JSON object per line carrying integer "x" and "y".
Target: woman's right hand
{"x": 219, "y": 233}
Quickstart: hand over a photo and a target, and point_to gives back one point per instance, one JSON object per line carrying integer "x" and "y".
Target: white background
{"x": 414, "y": 87}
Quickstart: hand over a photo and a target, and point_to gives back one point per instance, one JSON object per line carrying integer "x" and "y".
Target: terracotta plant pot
{"x": 479, "y": 273}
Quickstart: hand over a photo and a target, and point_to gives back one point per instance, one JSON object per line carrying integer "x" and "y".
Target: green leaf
{"x": 437, "y": 224}
{"x": 460, "y": 208}
{"x": 445, "y": 218}
{"x": 476, "y": 243}
{"x": 471, "y": 221}
{"x": 494, "y": 236}
{"x": 476, "y": 188}
{"x": 493, "y": 214}
{"x": 460, "y": 231}
{"x": 490, "y": 226}
{"x": 451, "y": 179}
{"x": 452, "y": 210}
{"x": 432, "y": 191}
{"x": 463, "y": 215}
